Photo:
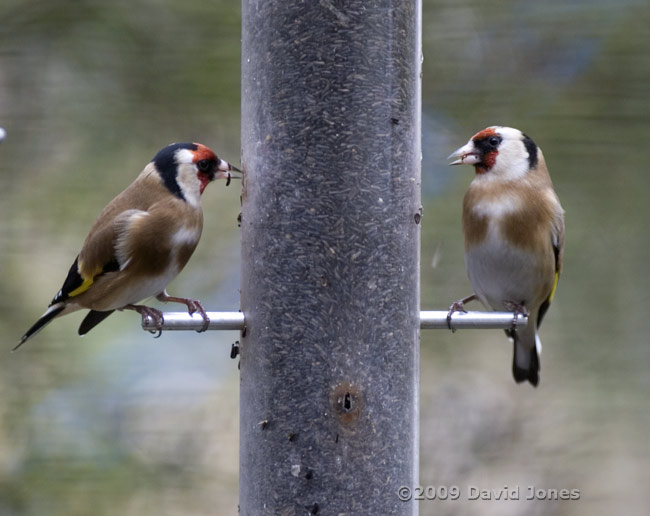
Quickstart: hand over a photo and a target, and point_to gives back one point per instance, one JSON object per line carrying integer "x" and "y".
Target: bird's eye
{"x": 204, "y": 165}
{"x": 495, "y": 141}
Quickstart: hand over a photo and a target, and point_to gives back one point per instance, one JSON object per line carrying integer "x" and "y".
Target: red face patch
{"x": 488, "y": 157}
{"x": 204, "y": 181}
{"x": 485, "y": 133}
{"x": 203, "y": 152}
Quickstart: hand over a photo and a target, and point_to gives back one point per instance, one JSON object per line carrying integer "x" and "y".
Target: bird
{"x": 140, "y": 241}
{"x": 513, "y": 227}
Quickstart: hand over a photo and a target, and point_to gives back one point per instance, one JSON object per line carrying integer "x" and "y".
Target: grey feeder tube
{"x": 330, "y": 256}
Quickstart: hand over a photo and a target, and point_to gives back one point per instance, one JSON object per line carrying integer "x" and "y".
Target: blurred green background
{"x": 119, "y": 423}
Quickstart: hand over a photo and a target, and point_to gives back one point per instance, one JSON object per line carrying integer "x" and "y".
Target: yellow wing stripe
{"x": 555, "y": 281}
{"x": 86, "y": 283}
{"x": 82, "y": 288}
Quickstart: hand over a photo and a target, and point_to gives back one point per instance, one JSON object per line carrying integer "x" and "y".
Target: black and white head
{"x": 187, "y": 168}
{"x": 499, "y": 151}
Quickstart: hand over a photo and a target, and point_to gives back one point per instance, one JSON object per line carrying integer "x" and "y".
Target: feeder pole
{"x": 330, "y": 256}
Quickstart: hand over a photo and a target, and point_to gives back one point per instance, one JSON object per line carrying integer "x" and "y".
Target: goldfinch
{"x": 513, "y": 226}
{"x": 141, "y": 240}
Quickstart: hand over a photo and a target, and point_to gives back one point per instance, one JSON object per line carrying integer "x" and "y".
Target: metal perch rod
{"x": 429, "y": 320}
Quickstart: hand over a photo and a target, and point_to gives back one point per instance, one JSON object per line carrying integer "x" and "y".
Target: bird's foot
{"x": 193, "y": 306}
{"x": 458, "y": 306}
{"x": 155, "y": 315}
{"x": 517, "y": 309}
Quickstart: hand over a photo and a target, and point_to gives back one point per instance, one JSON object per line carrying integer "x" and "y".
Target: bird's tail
{"x": 525, "y": 361}
{"x": 92, "y": 319}
{"x": 45, "y": 319}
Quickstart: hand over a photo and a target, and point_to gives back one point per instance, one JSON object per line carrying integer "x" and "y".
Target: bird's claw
{"x": 517, "y": 309}
{"x": 158, "y": 320}
{"x": 148, "y": 312}
{"x": 194, "y": 306}
{"x": 456, "y": 306}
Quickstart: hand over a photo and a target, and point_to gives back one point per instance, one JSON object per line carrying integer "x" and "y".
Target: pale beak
{"x": 225, "y": 171}
{"x": 466, "y": 155}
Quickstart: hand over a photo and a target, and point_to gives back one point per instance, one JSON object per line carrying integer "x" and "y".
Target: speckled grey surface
{"x": 330, "y": 256}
